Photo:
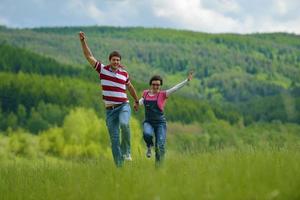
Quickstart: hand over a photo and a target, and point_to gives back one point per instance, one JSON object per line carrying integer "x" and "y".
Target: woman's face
{"x": 155, "y": 86}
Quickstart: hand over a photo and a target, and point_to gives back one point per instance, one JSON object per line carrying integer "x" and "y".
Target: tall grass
{"x": 224, "y": 174}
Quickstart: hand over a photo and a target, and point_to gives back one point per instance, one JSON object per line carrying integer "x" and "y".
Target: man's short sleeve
{"x": 98, "y": 66}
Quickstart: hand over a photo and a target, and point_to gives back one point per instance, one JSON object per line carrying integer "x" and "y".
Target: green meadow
{"x": 221, "y": 174}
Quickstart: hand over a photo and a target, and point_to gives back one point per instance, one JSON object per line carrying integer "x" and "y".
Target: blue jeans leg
{"x": 124, "y": 118}
{"x": 112, "y": 123}
{"x": 148, "y": 134}
{"x": 160, "y": 141}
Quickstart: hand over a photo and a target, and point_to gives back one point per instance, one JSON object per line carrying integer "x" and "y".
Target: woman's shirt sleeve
{"x": 176, "y": 87}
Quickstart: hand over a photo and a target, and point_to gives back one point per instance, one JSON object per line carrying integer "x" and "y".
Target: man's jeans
{"x": 116, "y": 119}
{"x": 159, "y": 129}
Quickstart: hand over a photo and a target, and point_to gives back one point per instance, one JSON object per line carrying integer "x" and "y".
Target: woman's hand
{"x": 190, "y": 76}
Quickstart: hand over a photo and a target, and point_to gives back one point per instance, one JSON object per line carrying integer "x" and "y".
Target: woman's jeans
{"x": 159, "y": 130}
{"x": 115, "y": 119}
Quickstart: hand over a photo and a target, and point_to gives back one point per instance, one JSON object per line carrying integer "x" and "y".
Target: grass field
{"x": 221, "y": 174}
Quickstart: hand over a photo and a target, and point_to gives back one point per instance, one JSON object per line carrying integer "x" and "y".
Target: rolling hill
{"x": 251, "y": 78}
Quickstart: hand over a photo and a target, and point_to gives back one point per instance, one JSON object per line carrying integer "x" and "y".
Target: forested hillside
{"x": 246, "y": 89}
{"x": 250, "y": 77}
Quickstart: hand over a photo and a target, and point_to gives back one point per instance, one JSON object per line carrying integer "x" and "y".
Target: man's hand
{"x": 81, "y": 36}
{"x": 86, "y": 50}
{"x": 136, "y": 106}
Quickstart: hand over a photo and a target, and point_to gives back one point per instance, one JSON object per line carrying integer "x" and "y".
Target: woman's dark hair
{"x": 114, "y": 53}
{"x": 156, "y": 78}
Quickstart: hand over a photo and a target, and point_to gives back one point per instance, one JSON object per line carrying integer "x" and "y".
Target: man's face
{"x": 115, "y": 61}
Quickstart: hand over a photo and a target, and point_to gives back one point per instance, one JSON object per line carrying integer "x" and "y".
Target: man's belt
{"x": 113, "y": 106}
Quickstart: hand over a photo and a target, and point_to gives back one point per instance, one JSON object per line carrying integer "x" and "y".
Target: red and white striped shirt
{"x": 113, "y": 83}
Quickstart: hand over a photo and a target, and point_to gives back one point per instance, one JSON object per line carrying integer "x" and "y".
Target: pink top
{"x": 161, "y": 99}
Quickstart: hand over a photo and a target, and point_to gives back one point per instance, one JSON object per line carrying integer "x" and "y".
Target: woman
{"x": 154, "y": 101}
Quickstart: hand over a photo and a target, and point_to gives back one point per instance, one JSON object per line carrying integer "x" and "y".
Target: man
{"x": 114, "y": 82}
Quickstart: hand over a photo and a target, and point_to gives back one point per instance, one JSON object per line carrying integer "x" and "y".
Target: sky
{"x": 210, "y": 16}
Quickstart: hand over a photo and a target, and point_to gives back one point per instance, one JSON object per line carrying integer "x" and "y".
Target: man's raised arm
{"x": 86, "y": 50}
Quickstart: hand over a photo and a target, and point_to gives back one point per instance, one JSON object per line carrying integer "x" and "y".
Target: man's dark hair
{"x": 114, "y": 53}
{"x": 156, "y": 78}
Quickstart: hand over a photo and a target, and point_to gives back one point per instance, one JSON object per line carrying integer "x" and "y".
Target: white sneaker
{"x": 148, "y": 153}
{"x": 127, "y": 157}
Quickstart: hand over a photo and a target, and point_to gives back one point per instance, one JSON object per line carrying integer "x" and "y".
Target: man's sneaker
{"x": 127, "y": 157}
{"x": 148, "y": 153}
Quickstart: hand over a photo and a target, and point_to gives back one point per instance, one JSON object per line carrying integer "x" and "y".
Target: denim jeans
{"x": 159, "y": 130}
{"x": 116, "y": 119}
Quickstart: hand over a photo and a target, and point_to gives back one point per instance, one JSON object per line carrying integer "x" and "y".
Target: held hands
{"x": 136, "y": 106}
{"x": 190, "y": 76}
{"x": 81, "y": 36}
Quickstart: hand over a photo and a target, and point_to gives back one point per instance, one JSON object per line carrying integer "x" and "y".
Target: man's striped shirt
{"x": 113, "y": 83}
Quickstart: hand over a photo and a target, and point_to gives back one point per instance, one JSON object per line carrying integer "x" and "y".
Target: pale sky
{"x": 212, "y": 16}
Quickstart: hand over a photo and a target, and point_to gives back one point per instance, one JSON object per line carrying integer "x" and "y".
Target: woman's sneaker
{"x": 127, "y": 157}
{"x": 148, "y": 153}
